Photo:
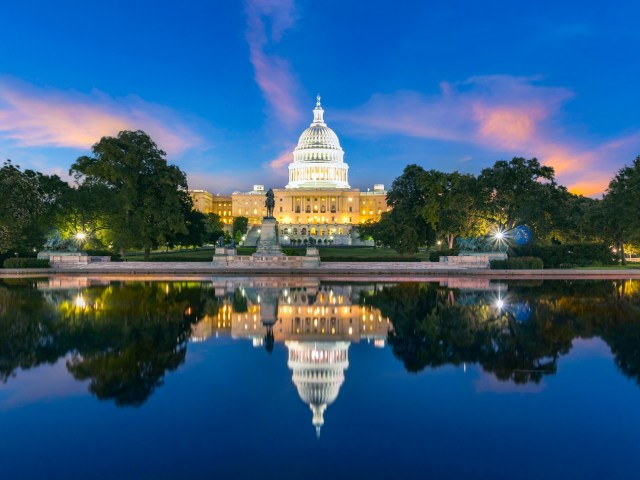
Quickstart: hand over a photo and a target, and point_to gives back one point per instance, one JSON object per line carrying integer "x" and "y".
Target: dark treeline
{"x": 428, "y": 205}
{"x": 125, "y": 196}
{"x": 121, "y": 338}
{"x": 520, "y": 340}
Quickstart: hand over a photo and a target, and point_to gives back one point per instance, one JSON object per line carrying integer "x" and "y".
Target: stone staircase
{"x": 252, "y": 237}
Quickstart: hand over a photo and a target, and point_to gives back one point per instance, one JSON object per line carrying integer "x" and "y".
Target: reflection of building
{"x": 310, "y": 311}
{"x": 316, "y": 322}
{"x": 318, "y": 373}
{"x": 318, "y": 201}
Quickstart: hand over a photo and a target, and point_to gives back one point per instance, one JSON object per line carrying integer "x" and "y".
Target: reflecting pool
{"x": 289, "y": 377}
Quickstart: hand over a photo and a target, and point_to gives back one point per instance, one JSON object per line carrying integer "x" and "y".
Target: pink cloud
{"x": 280, "y": 163}
{"x": 514, "y": 116}
{"x": 267, "y": 20}
{"x": 33, "y": 116}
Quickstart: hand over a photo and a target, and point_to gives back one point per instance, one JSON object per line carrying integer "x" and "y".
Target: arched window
{"x": 304, "y": 231}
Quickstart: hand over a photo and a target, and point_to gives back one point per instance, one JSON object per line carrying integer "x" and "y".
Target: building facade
{"x": 318, "y": 201}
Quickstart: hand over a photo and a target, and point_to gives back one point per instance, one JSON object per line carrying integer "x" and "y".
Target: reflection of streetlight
{"x": 80, "y": 301}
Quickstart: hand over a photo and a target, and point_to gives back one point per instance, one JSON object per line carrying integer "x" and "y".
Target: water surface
{"x": 294, "y": 377}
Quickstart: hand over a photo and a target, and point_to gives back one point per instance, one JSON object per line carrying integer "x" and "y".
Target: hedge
{"x": 569, "y": 255}
{"x": 518, "y": 263}
{"x": 435, "y": 255}
{"x": 17, "y": 262}
{"x": 294, "y": 252}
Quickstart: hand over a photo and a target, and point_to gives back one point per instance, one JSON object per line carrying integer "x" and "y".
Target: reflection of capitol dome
{"x": 318, "y": 158}
{"x": 318, "y": 374}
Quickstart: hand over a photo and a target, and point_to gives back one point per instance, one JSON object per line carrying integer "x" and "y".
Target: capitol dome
{"x": 318, "y": 373}
{"x": 318, "y": 160}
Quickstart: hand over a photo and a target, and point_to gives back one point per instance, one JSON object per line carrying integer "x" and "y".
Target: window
{"x": 297, "y": 208}
{"x": 281, "y": 209}
{"x": 295, "y": 231}
{"x": 350, "y": 208}
{"x": 323, "y": 209}
{"x": 308, "y": 209}
{"x": 304, "y": 231}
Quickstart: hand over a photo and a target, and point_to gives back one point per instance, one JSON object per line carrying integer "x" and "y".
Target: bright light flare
{"x": 80, "y": 301}
{"x": 81, "y": 235}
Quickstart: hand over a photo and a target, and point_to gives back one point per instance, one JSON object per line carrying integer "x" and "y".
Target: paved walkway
{"x": 341, "y": 269}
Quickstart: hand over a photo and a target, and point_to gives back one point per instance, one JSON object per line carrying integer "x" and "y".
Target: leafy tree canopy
{"x": 145, "y": 197}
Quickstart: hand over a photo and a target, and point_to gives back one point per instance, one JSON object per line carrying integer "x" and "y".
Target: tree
{"x": 620, "y": 207}
{"x": 31, "y": 203}
{"x": 144, "y": 208}
{"x": 214, "y": 228}
{"x": 452, "y": 205}
{"x": 519, "y": 192}
{"x": 404, "y": 228}
{"x": 240, "y": 224}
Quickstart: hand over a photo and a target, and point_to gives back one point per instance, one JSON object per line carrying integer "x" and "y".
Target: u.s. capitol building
{"x": 318, "y": 201}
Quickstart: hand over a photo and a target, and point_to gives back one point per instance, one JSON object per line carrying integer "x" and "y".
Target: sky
{"x": 227, "y": 87}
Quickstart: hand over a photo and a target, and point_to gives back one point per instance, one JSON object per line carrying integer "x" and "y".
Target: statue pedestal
{"x": 268, "y": 245}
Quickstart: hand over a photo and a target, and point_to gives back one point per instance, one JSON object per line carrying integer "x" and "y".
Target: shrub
{"x": 17, "y": 262}
{"x": 518, "y": 263}
{"x": 569, "y": 255}
{"x": 294, "y": 252}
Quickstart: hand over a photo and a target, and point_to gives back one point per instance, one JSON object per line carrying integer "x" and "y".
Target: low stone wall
{"x": 470, "y": 261}
{"x": 275, "y": 261}
{"x": 62, "y": 260}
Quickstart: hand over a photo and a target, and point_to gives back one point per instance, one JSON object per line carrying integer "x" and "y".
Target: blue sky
{"x": 227, "y": 87}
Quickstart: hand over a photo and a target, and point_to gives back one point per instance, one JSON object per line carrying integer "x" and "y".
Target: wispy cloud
{"x": 279, "y": 163}
{"x": 32, "y": 116}
{"x": 509, "y": 115}
{"x": 267, "y": 20}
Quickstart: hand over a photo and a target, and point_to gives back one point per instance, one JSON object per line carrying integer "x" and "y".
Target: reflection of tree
{"x": 25, "y": 324}
{"x": 431, "y": 328}
{"x": 123, "y": 337}
{"x": 239, "y": 301}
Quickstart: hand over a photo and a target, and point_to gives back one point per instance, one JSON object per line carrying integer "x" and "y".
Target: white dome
{"x": 318, "y": 160}
{"x": 318, "y": 136}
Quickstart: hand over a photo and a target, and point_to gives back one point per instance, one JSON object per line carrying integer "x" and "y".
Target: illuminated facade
{"x": 207, "y": 202}
{"x": 317, "y": 202}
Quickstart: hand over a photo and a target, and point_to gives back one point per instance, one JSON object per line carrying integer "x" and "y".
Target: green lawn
{"x": 366, "y": 252}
